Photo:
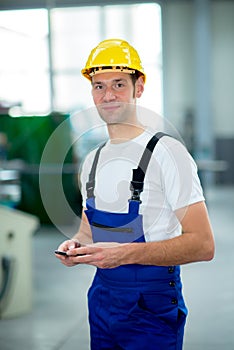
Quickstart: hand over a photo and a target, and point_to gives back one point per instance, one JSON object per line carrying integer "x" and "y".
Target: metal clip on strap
{"x": 136, "y": 187}
{"x": 90, "y": 188}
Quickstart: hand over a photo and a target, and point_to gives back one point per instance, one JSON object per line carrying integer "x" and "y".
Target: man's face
{"x": 115, "y": 96}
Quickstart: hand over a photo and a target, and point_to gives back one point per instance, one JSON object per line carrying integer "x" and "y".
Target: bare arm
{"x": 195, "y": 244}
{"x": 84, "y": 235}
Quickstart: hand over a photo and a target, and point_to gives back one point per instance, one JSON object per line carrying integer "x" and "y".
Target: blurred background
{"x": 187, "y": 50}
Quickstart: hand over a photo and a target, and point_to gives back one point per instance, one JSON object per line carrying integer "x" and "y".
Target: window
{"x": 40, "y": 70}
{"x": 24, "y": 78}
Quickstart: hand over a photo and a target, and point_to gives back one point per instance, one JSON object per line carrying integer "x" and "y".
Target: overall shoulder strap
{"x": 91, "y": 183}
{"x": 137, "y": 183}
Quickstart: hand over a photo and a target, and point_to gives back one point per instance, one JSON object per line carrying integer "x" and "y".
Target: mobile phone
{"x": 59, "y": 252}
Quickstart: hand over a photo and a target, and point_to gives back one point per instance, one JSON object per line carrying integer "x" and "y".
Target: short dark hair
{"x": 135, "y": 76}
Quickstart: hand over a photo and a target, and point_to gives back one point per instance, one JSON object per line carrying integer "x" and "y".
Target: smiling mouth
{"x": 110, "y": 106}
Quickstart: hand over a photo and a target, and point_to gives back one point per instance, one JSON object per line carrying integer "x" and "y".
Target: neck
{"x": 123, "y": 132}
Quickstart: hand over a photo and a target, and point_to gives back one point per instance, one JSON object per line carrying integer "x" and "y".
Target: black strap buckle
{"x": 136, "y": 188}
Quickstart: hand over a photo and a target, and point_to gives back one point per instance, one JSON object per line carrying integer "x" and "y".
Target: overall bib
{"x": 132, "y": 307}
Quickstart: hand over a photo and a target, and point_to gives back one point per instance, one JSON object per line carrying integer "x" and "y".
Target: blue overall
{"x": 132, "y": 307}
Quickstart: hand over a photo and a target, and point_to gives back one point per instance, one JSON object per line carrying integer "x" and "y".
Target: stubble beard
{"x": 116, "y": 113}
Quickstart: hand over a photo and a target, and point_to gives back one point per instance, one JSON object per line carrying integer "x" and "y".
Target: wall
{"x": 223, "y": 68}
{"x": 181, "y": 84}
{"x": 178, "y": 59}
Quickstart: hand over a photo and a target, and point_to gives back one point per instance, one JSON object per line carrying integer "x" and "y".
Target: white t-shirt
{"x": 171, "y": 182}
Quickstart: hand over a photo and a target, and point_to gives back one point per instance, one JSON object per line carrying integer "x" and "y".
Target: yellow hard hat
{"x": 113, "y": 54}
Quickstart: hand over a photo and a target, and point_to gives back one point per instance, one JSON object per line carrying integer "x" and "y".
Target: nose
{"x": 109, "y": 95}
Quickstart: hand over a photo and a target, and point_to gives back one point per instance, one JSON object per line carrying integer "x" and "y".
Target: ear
{"x": 139, "y": 88}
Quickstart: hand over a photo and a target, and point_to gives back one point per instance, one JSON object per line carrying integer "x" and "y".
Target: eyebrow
{"x": 113, "y": 81}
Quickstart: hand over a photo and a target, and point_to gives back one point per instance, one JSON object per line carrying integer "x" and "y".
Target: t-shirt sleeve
{"x": 179, "y": 174}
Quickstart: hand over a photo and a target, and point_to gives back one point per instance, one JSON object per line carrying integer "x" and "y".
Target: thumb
{"x": 73, "y": 244}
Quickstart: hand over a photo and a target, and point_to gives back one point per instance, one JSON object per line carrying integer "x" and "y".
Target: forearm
{"x": 184, "y": 249}
{"x": 84, "y": 235}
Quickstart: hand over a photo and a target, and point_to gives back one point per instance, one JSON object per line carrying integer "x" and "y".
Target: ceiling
{"x": 33, "y": 4}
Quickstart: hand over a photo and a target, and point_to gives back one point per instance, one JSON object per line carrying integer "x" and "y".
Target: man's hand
{"x": 102, "y": 255}
{"x": 65, "y": 247}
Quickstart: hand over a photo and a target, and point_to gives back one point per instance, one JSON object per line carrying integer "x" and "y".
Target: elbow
{"x": 209, "y": 251}
{"x": 209, "y": 255}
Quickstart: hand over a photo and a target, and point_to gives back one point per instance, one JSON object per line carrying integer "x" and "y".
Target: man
{"x": 135, "y": 301}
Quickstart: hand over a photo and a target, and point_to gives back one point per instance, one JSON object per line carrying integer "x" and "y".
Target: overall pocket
{"x": 158, "y": 309}
{"x": 120, "y": 234}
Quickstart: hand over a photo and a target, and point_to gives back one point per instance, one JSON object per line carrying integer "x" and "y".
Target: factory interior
{"x": 48, "y": 125}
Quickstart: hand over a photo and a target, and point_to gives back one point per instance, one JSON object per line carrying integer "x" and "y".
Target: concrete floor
{"x": 58, "y": 320}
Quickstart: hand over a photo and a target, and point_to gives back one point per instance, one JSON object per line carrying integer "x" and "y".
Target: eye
{"x": 98, "y": 87}
{"x": 119, "y": 85}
